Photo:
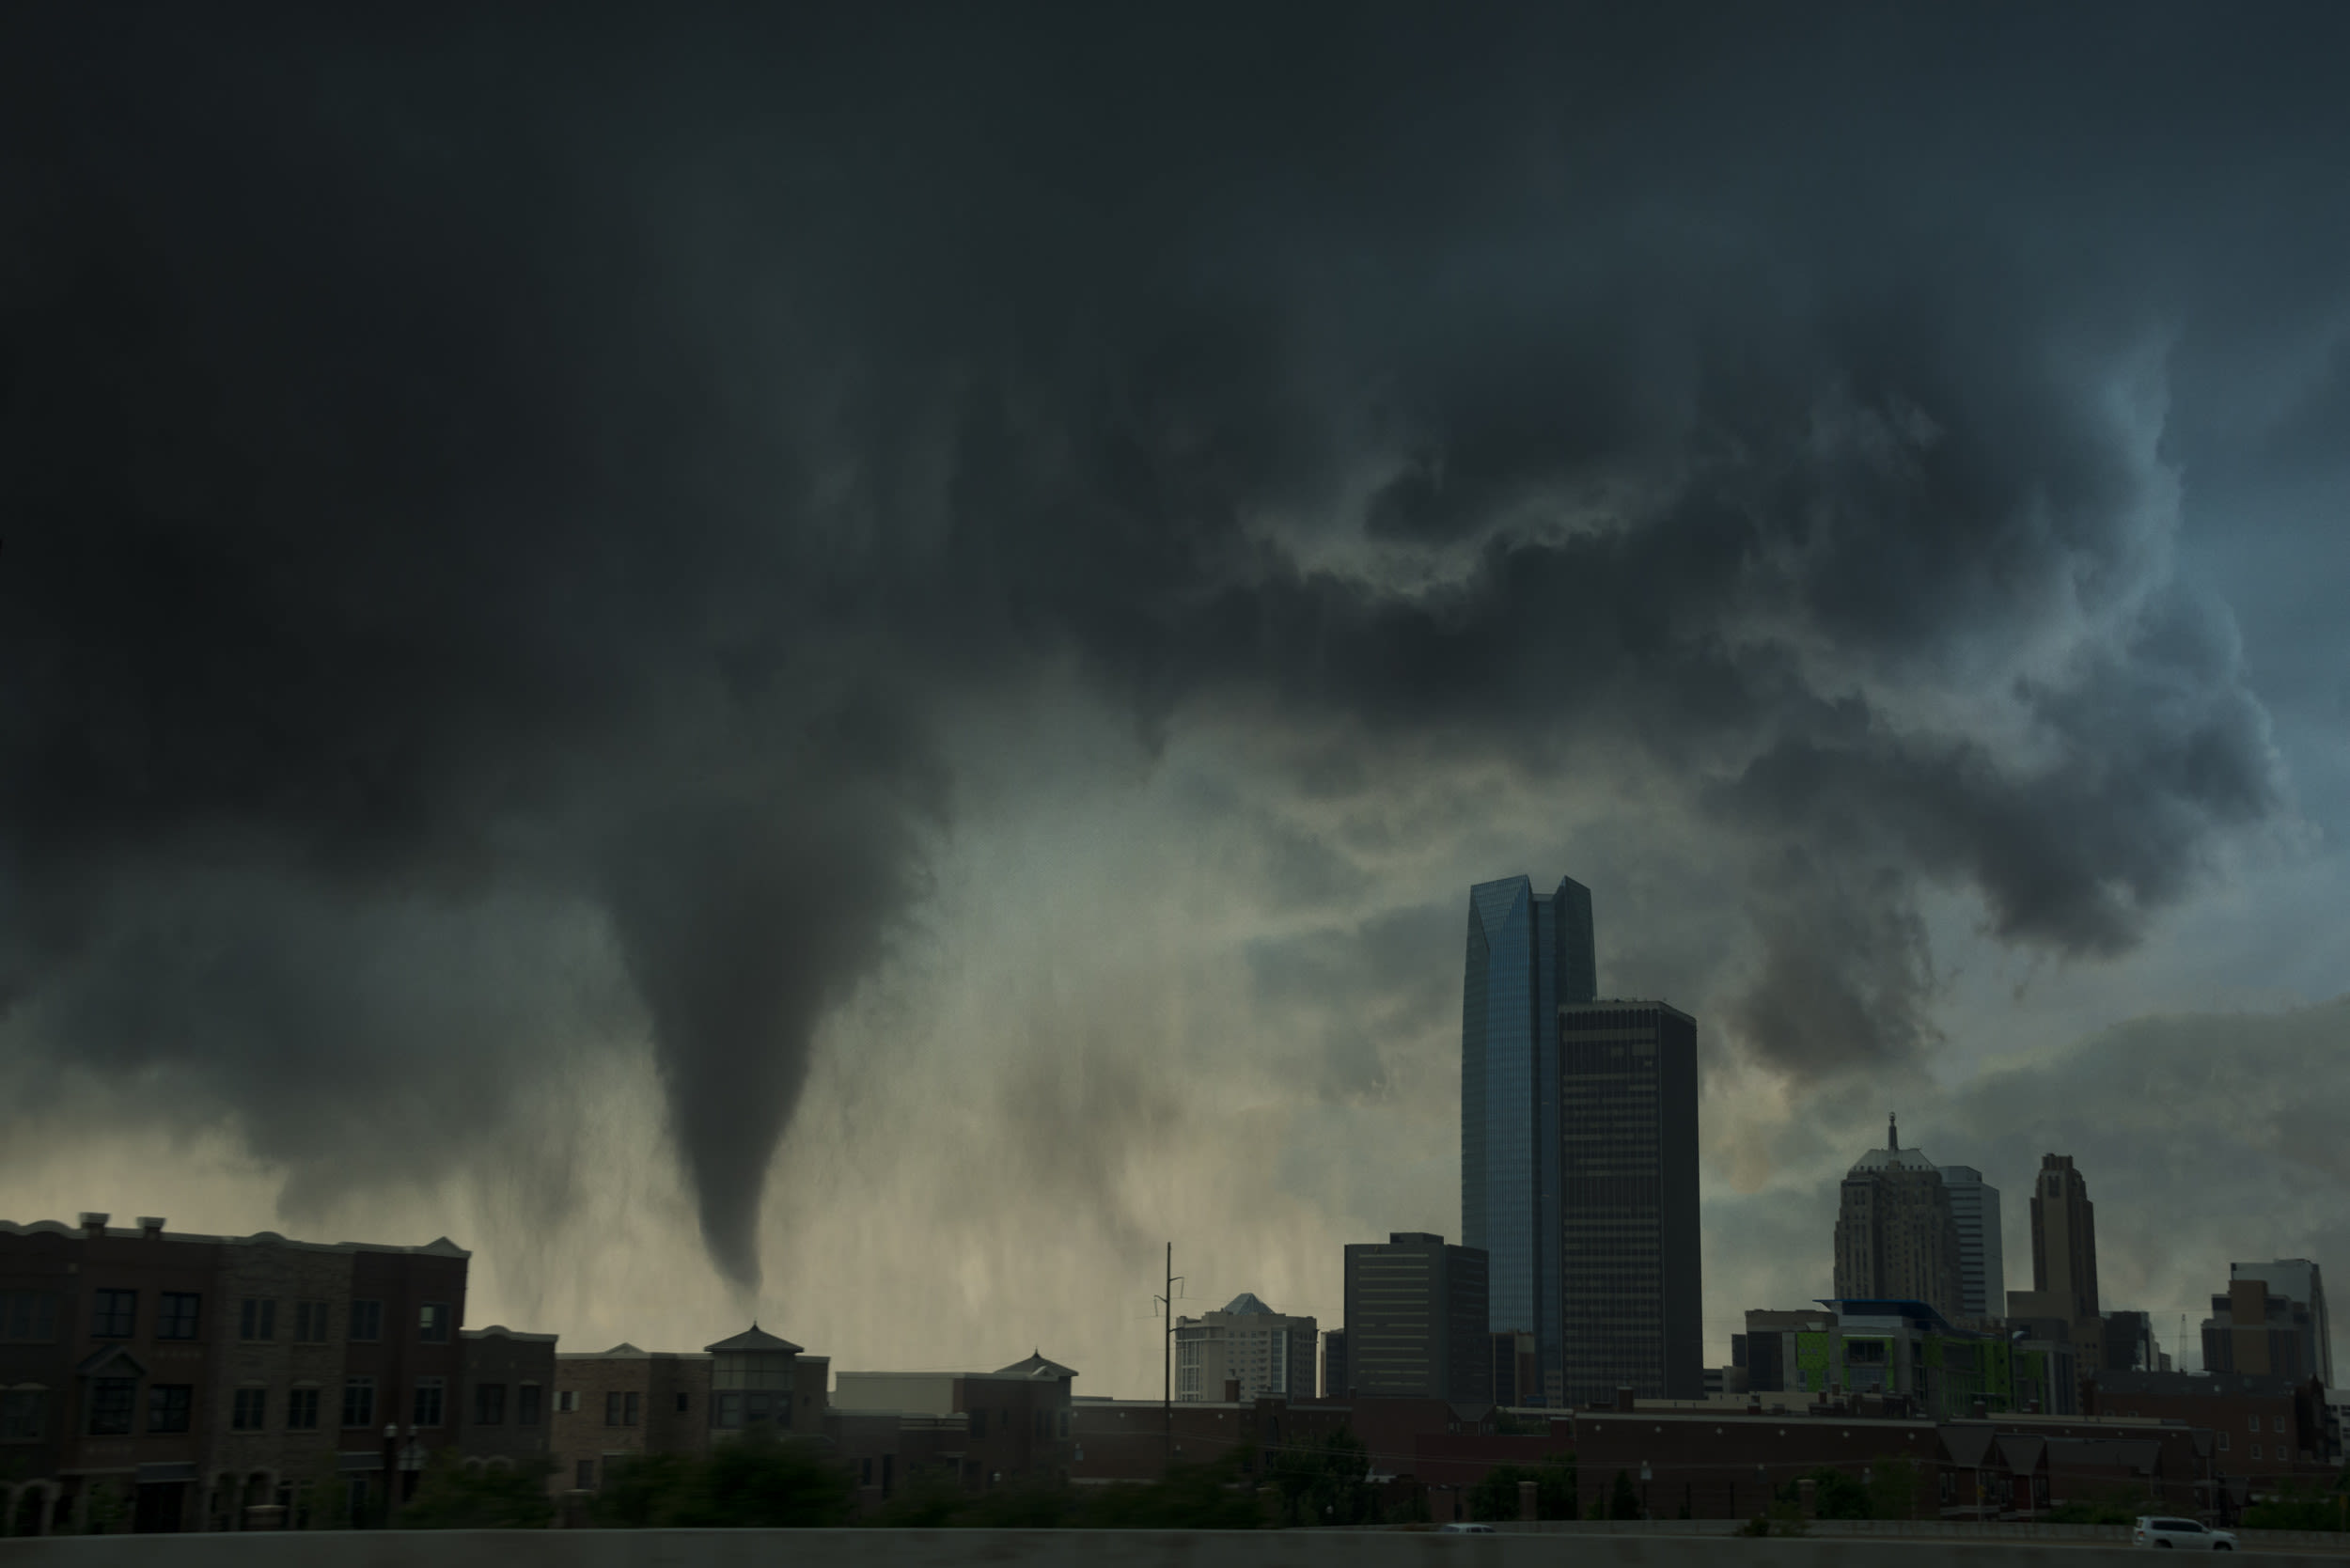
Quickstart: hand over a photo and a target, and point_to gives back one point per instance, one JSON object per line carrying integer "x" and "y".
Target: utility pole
{"x": 1167, "y": 1353}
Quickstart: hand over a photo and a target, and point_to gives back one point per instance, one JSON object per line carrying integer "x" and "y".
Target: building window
{"x": 612, "y": 1408}
{"x": 2277, "y": 1423}
{"x": 586, "y": 1475}
{"x": 432, "y": 1323}
{"x": 175, "y": 1315}
{"x": 113, "y": 1314}
{"x": 428, "y": 1402}
{"x": 489, "y": 1404}
{"x": 979, "y": 1424}
{"x": 24, "y": 1415}
{"x": 684, "y": 1402}
{"x": 257, "y": 1319}
{"x": 629, "y": 1411}
{"x": 310, "y": 1322}
{"x": 566, "y": 1401}
{"x": 359, "y": 1402}
{"x": 248, "y": 1410}
{"x": 366, "y": 1320}
{"x": 526, "y": 1405}
{"x": 865, "y": 1472}
{"x": 2223, "y": 1441}
{"x": 302, "y": 1410}
{"x": 111, "y": 1400}
{"x": 28, "y": 1317}
{"x": 2256, "y": 1451}
{"x": 2255, "y": 1422}
{"x": 167, "y": 1406}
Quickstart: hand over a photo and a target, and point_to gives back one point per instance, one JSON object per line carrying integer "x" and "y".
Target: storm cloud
{"x": 466, "y": 471}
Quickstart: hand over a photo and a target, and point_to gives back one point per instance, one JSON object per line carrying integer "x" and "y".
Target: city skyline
{"x": 845, "y": 672}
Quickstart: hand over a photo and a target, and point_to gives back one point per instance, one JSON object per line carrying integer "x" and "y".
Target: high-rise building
{"x": 1982, "y": 1261}
{"x": 1415, "y": 1314}
{"x": 1267, "y": 1353}
{"x": 1528, "y": 953}
{"x": 1897, "y": 1232}
{"x": 2271, "y": 1322}
{"x": 1631, "y": 1298}
{"x": 2063, "y": 1259}
{"x": 1335, "y": 1381}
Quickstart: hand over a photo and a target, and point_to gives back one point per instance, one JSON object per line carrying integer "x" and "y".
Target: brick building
{"x": 2264, "y": 1430}
{"x": 616, "y": 1405}
{"x": 971, "y": 1430}
{"x": 159, "y": 1381}
{"x": 503, "y": 1407}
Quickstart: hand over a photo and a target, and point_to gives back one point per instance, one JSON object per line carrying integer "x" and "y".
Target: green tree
{"x": 1899, "y": 1488}
{"x": 1496, "y": 1496}
{"x": 758, "y": 1479}
{"x": 450, "y": 1497}
{"x": 1838, "y": 1494}
{"x": 1324, "y": 1483}
{"x": 643, "y": 1492}
{"x": 2299, "y": 1506}
{"x": 1622, "y": 1501}
{"x": 1188, "y": 1497}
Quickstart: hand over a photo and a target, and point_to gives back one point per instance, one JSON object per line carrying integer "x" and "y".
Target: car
{"x": 1458, "y": 1529}
{"x": 2175, "y": 1533}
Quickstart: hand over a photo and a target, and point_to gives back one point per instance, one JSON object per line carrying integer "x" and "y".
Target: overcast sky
{"x": 854, "y": 668}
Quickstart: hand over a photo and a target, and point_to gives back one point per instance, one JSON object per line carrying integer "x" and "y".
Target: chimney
{"x": 151, "y": 1226}
{"x": 94, "y": 1225}
{"x": 1754, "y": 1404}
{"x": 1231, "y": 1391}
{"x": 1982, "y": 1410}
{"x": 1624, "y": 1399}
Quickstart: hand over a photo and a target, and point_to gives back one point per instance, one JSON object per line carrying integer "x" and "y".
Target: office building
{"x": 2063, "y": 1260}
{"x": 1260, "y": 1351}
{"x": 1416, "y": 1316}
{"x": 1517, "y": 1368}
{"x": 1982, "y": 1262}
{"x": 1529, "y": 955}
{"x": 1631, "y": 1294}
{"x": 1336, "y": 1383}
{"x": 1897, "y": 1234}
{"x": 2263, "y": 1328}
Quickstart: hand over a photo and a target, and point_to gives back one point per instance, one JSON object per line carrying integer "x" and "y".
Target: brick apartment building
{"x": 971, "y": 1430}
{"x": 616, "y": 1405}
{"x": 160, "y": 1381}
{"x": 2264, "y": 1430}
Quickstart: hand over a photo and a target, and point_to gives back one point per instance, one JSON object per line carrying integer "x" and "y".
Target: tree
{"x": 1899, "y": 1488}
{"x": 1188, "y": 1497}
{"x": 451, "y": 1497}
{"x": 1622, "y": 1501}
{"x": 1324, "y": 1483}
{"x": 758, "y": 1479}
{"x": 1496, "y": 1496}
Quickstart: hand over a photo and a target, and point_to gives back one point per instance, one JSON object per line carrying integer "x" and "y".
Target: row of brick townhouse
{"x": 162, "y": 1381}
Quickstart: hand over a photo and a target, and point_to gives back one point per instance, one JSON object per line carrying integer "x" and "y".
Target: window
{"x": 302, "y": 1410}
{"x": 629, "y": 1411}
{"x": 612, "y": 1408}
{"x": 432, "y": 1323}
{"x": 248, "y": 1410}
{"x": 586, "y": 1475}
{"x": 2256, "y": 1451}
{"x": 257, "y": 1320}
{"x": 865, "y": 1472}
{"x": 113, "y": 1314}
{"x": 176, "y": 1317}
{"x": 359, "y": 1402}
{"x": 366, "y": 1320}
{"x": 526, "y": 1405}
{"x": 2223, "y": 1441}
{"x": 28, "y": 1317}
{"x": 310, "y": 1322}
{"x": 23, "y": 1416}
{"x": 2256, "y": 1423}
{"x": 978, "y": 1424}
{"x": 684, "y": 1402}
{"x": 428, "y": 1402}
{"x": 566, "y": 1401}
{"x": 489, "y": 1404}
{"x": 2277, "y": 1423}
{"x": 111, "y": 1400}
{"x": 167, "y": 1406}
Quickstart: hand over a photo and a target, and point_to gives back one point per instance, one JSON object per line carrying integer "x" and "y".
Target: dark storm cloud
{"x": 454, "y": 458}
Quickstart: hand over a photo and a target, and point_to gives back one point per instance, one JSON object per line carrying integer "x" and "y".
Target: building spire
{"x": 1892, "y": 1132}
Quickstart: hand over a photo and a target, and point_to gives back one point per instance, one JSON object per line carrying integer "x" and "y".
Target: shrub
{"x": 451, "y": 1497}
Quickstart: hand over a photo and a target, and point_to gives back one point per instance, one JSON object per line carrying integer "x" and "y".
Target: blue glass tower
{"x": 1529, "y": 952}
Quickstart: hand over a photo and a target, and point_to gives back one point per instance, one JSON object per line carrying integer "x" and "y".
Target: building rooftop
{"x": 1037, "y": 1367}
{"x": 753, "y": 1338}
{"x": 1246, "y": 1302}
{"x": 95, "y": 1224}
{"x": 1893, "y": 1156}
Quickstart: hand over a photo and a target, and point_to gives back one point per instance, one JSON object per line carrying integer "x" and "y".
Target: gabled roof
{"x": 753, "y": 1338}
{"x": 105, "y": 1357}
{"x": 1037, "y": 1367}
{"x": 1967, "y": 1443}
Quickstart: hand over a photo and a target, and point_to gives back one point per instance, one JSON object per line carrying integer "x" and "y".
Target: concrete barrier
{"x": 955, "y": 1548}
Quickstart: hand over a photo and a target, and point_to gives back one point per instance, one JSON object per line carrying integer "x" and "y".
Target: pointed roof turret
{"x": 753, "y": 1338}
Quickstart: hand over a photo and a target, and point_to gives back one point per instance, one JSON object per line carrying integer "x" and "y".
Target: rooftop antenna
{"x": 1892, "y": 1132}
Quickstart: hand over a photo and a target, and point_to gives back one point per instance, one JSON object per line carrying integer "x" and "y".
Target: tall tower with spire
{"x": 1897, "y": 1236}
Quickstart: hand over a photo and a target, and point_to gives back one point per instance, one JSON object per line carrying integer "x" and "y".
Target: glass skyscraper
{"x": 1529, "y": 955}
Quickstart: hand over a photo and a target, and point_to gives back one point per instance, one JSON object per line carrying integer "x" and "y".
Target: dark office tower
{"x": 1528, "y": 953}
{"x": 1416, "y": 1321}
{"x": 1335, "y": 1382}
{"x": 1633, "y": 1301}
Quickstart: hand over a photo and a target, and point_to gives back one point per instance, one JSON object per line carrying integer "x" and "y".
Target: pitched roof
{"x": 754, "y": 1338}
{"x": 1246, "y": 1302}
{"x": 1036, "y": 1366}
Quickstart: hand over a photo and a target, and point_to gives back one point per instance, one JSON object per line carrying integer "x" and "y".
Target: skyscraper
{"x": 2063, "y": 1259}
{"x": 1631, "y": 1298}
{"x": 2272, "y": 1321}
{"x": 1416, "y": 1321}
{"x": 1896, "y": 1230}
{"x": 1529, "y": 955}
{"x": 1982, "y": 1261}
